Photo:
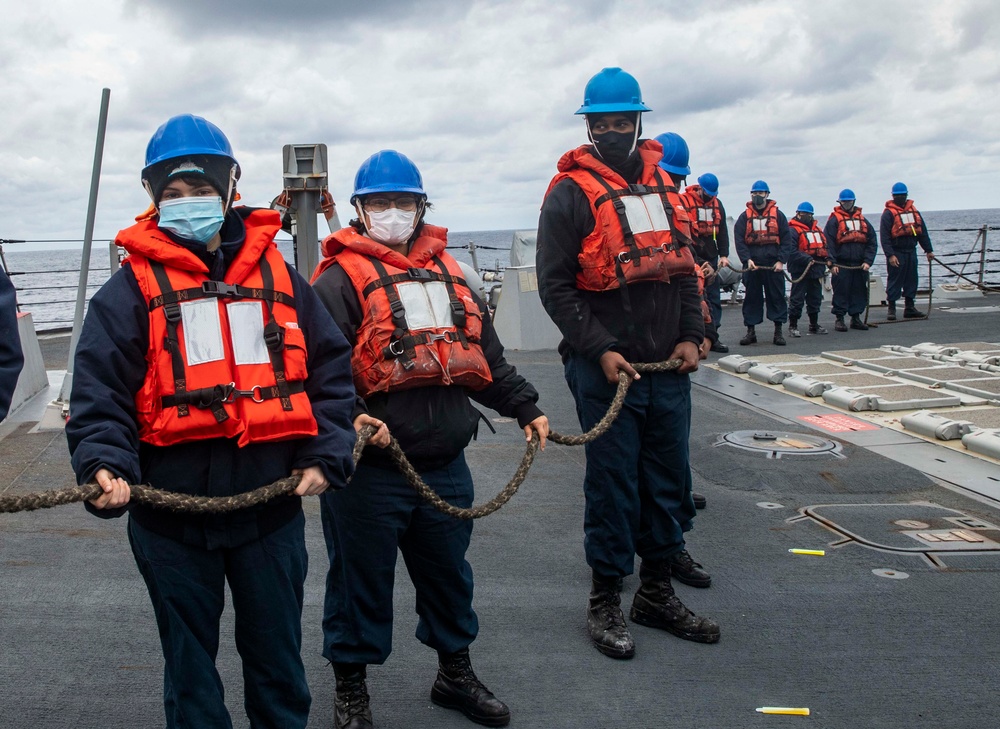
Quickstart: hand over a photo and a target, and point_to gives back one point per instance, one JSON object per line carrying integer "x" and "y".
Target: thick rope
{"x": 158, "y": 498}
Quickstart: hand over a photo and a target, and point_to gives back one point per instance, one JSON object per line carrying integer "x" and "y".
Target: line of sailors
{"x": 767, "y": 242}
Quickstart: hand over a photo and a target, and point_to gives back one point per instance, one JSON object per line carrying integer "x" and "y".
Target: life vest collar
{"x": 650, "y": 151}
{"x": 430, "y": 242}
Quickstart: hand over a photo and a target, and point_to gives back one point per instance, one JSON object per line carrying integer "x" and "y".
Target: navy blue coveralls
{"x": 850, "y": 287}
{"x": 761, "y": 286}
{"x": 902, "y": 278}
{"x": 810, "y": 289}
{"x": 638, "y": 476}
{"x": 11, "y": 357}
{"x": 186, "y": 560}
{"x": 381, "y": 514}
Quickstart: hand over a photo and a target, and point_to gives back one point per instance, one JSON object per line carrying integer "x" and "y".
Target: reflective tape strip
{"x": 246, "y": 327}
{"x": 427, "y": 305}
{"x": 202, "y": 331}
{"x": 907, "y": 218}
{"x": 645, "y": 213}
{"x": 706, "y": 215}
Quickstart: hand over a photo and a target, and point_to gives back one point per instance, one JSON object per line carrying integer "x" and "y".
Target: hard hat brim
{"x": 611, "y": 108}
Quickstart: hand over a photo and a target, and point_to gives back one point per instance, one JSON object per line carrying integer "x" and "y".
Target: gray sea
{"x": 47, "y": 281}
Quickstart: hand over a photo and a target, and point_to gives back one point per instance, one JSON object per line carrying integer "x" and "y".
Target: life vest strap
{"x": 386, "y": 280}
{"x": 215, "y": 397}
{"x": 218, "y": 290}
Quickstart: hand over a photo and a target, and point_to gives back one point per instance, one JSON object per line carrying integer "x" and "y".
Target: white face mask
{"x": 391, "y": 226}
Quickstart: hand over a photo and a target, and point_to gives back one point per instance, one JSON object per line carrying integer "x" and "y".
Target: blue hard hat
{"x": 805, "y": 207}
{"x": 612, "y": 90}
{"x": 185, "y": 135}
{"x": 709, "y": 184}
{"x": 675, "y": 153}
{"x": 845, "y": 195}
{"x": 900, "y": 189}
{"x": 190, "y": 145}
{"x": 760, "y": 186}
{"x": 387, "y": 171}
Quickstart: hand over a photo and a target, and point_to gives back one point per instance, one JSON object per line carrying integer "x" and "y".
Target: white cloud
{"x": 812, "y": 97}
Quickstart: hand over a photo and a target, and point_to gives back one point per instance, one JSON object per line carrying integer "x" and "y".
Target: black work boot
{"x": 685, "y": 569}
{"x": 700, "y": 502}
{"x": 890, "y": 314}
{"x": 656, "y": 606}
{"x": 718, "y": 346}
{"x": 793, "y": 327}
{"x": 911, "y": 312}
{"x": 350, "y": 708}
{"x": 605, "y": 620}
{"x": 779, "y": 338}
{"x": 856, "y": 323}
{"x": 458, "y": 687}
{"x": 814, "y": 327}
{"x": 750, "y": 337}
{"x": 839, "y": 325}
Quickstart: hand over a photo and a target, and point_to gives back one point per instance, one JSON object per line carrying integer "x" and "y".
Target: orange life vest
{"x": 641, "y": 231}
{"x": 851, "y": 226}
{"x": 421, "y": 325}
{"x": 705, "y": 215}
{"x": 226, "y": 359}
{"x": 811, "y": 238}
{"x": 906, "y": 220}
{"x": 762, "y": 225}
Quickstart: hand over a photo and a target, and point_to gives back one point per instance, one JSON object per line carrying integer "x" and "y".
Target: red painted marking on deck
{"x": 838, "y": 423}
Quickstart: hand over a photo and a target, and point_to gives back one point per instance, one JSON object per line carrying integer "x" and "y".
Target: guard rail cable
{"x": 158, "y": 498}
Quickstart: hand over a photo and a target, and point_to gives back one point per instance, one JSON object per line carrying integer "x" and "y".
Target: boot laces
{"x": 684, "y": 559}
{"x": 460, "y": 671}
{"x": 352, "y": 695}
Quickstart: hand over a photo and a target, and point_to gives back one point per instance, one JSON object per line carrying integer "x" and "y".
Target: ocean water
{"x": 47, "y": 281}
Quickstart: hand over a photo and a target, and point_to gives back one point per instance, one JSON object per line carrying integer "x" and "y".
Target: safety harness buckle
{"x": 221, "y": 289}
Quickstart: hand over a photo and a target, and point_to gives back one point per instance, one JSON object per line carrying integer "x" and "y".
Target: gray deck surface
{"x": 79, "y": 644}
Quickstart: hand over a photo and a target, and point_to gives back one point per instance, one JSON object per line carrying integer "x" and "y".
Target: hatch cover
{"x": 776, "y": 443}
{"x": 921, "y": 529}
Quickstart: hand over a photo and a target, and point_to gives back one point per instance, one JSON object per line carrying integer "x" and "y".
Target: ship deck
{"x": 888, "y": 629}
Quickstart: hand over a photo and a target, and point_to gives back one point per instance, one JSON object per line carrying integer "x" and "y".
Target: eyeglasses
{"x": 407, "y": 203}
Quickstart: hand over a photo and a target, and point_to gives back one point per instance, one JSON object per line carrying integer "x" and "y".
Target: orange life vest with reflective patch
{"x": 852, "y": 227}
{"x": 762, "y": 226}
{"x": 226, "y": 359}
{"x": 421, "y": 325}
{"x": 811, "y": 238}
{"x": 641, "y": 231}
{"x": 705, "y": 215}
{"x": 906, "y": 220}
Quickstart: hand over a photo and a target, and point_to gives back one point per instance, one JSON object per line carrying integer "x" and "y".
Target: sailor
{"x": 763, "y": 240}
{"x": 852, "y": 252}
{"x": 617, "y": 277}
{"x": 207, "y": 366}
{"x": 675, "y": 163}
{"x": 11, "y": 357}
{"x": 812, "y": 249}
{"x": 423, "y": 345}
{"x": 900, "y": 230}
{"x": 710, "y": 234}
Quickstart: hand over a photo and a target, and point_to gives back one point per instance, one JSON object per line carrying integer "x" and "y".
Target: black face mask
{"x": 614, "y": 147}
{"x": 759, "y": 201}
{"x": 900, "y": 200}
{"x": 847, "y": 205}
{"x": 805, "y": 218}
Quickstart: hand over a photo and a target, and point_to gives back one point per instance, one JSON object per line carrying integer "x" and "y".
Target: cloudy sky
{"x": 810, "y": 96}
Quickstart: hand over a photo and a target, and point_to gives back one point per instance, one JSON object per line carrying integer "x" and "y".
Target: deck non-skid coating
{"x": 943, "y": 374}
{"x": 819, "y": 369}
{"x": 855, "y": 380}
{"x": 898, "y": 363}
{"x": 988, "y": 417}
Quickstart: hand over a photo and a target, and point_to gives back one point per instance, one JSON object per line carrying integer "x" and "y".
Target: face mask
{"x": 391, "y": 226}
{"x": 847, "y": 205}
{"x": 806, "y": 218}
{"x": 900, "y": 200}
{"x": 614, "y": 147}
{"x": 192, "y": 218}
{"x": 759, "y": 201}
